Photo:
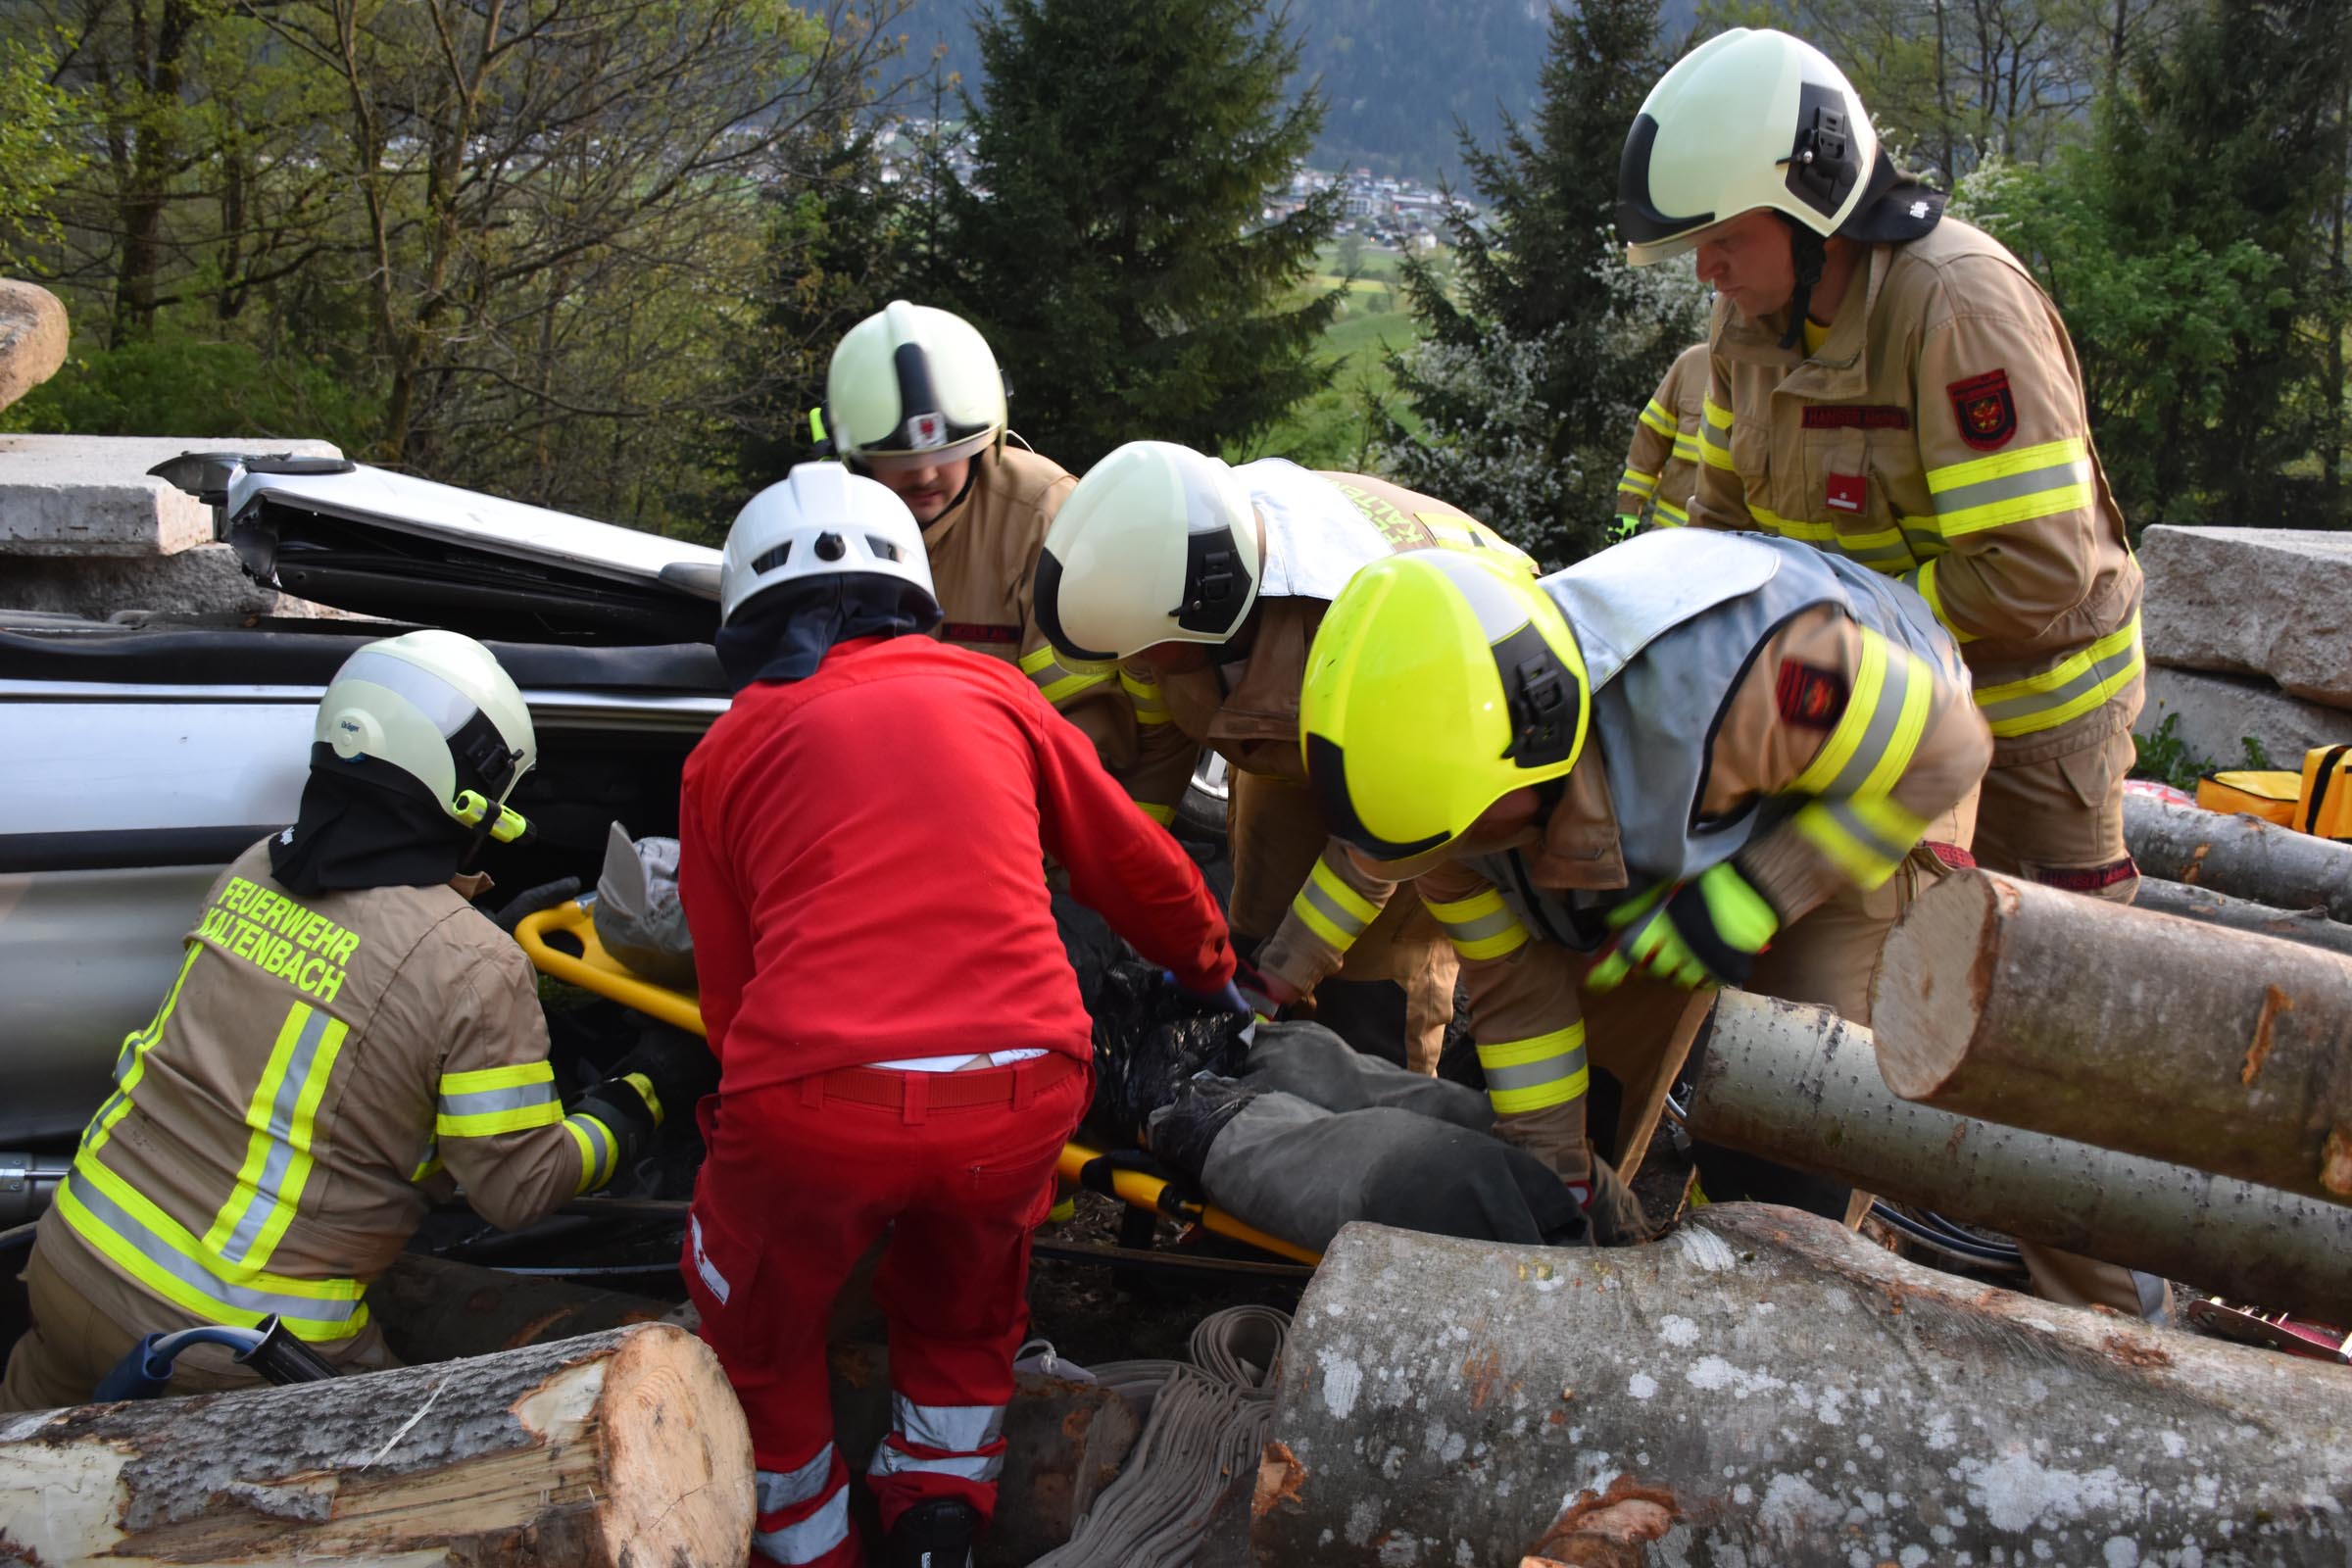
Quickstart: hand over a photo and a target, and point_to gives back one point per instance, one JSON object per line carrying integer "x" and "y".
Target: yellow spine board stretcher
{"x": 592, "y": 968}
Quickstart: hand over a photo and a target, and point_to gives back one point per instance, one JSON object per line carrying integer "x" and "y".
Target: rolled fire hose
{"x": 1204, "y": 1421}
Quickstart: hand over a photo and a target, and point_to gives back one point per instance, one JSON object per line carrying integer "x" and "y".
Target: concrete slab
{"x": 85, "y": 496}
{"x": 33, "y": 337}
{"x": 206, "y": 582}
{"x": 2217, "y": 713}
{"x": 2272, "y": 602}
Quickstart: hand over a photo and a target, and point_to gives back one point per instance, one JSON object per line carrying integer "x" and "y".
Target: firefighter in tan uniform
{"x": 1715, "y": 761}
{"x": 914, "y": 399}
{"x": 1661, "y": 467}
{"x": 343, "y": 1027}
{"x": 1208, "y": 582}
{"x": 1889, "y": 384}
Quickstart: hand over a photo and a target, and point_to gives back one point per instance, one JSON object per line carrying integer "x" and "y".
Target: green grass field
{"x": 1331, "y": 430}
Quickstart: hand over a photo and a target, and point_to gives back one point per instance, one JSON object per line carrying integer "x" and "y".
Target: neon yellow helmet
{"x": 1439, "y": 681}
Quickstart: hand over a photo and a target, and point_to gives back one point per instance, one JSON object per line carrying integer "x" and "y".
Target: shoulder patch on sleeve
{"x": 1810, "y": 695}
{"x": 1984, "y": 409}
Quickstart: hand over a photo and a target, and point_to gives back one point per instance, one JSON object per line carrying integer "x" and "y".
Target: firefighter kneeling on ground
{"x": 1714, "y": 759}
{"x": 899, "y": 1031}
{"x": 344, "y": 1025}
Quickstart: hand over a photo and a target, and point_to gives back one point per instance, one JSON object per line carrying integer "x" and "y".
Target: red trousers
{"x": 801, "y": 1180}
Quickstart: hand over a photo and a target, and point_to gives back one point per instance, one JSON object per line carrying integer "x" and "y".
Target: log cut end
{"x": 1933, "y": 978}
{"x": 678, "y": 1456}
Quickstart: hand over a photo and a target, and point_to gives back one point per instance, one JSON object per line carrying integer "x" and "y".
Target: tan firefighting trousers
{"x": 71, "y": 1344}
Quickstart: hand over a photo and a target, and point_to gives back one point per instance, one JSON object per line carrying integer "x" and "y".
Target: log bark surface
{"x": 2219, "y": 1050}
{"x": 1761, "y": 1386}
{"x": 2311, "y": 927}
{"x": 2244, "y": 857}
{"x": 623, "y": 1450}
{"x": 1801, "y": 1086}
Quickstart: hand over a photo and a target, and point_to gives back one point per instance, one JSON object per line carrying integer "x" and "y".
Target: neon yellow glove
{"x": 1626, "y": 527}
{"x": 1701, "y": 933}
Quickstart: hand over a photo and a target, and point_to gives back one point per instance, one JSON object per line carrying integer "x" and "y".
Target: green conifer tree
{"x": 1537, "y": 361}
{"x": 1111, "y": 239}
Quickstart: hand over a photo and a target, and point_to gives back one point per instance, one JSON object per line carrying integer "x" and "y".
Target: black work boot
{"x": 938, "y": 1534}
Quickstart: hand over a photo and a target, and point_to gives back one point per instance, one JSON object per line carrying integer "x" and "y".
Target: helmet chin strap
{"x": 1810, "y": 251}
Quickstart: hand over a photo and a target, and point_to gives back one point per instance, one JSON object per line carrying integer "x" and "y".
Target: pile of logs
{"x": 2168, "y": 1086}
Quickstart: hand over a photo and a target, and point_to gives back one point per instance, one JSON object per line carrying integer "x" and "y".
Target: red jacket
{"x": 862, "y": 863}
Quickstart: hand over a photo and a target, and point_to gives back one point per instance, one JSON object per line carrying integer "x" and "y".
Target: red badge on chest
{"x": 1845, "y": 492}
{"x": 1984, "y": 409}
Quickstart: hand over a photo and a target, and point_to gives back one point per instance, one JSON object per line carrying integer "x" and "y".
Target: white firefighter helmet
{"x": 439, "y": 707}
{"x": 1751, "y": 119}
{"x": 1158, "y": 544}
{"x": 913, "y": 384}
{"x": 820, "y": 521}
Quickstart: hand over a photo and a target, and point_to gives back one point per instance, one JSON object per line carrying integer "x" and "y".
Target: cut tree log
{"x": 1800, "y": 1086}
{"x": 2311, "y": 927}
{"x": 1763, "y": 1386}
{"x": 2217, "y": 1050}
{"x": 618, "y": 1448}
{"x": 2244, "y": 857}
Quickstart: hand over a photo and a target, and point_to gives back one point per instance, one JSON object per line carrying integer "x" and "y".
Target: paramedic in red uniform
{"x": 900, "y": 1037}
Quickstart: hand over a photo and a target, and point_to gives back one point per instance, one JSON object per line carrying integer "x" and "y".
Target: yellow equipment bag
{"x": 2269, "y": 796}
{"x": 2324, "y": 805}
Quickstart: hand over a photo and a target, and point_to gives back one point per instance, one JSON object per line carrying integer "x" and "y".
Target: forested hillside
{"x": 1396, "y": 75}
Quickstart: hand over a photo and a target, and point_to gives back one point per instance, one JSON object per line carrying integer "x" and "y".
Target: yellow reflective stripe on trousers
{"x": 488, "y": 1100}
{"x": 1671, "y": 516}
{"x": 1658, "y": 419}
{"x": 2069, "y": 689}
{"x": 1332, "y": 910}
{"x": 1878, "y": 733}
{"x": 1164, "y": 815}
{"x": 131, "y": 1232}
{"x": 1921, "y": 581}
{"x": 2031, "y": 482}
{"x": 1150, "y": 707}
{"x": 1481, "y": 926}
{"x": 282, "y": 1114}
{"x": 1866, "y": 839}
{"x": 1638, "y": 482}
{"x": 1060, "y": 681}
{"x": 1715, "y": 435}
{"x": 130, "y": 1063}
{"x": 1547, "y": 1069}
{"x": 599, "y": 1150}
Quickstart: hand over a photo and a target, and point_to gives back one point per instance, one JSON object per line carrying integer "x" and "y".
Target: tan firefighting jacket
{"x": 984, "y": 553}
{"x": 1661, "y": 467}
{"x": 1771, "y": 741}
{"x": 1247, "y": 711}
{"x": 315, "y": 1059}
{"x": 1939, "y": 435}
